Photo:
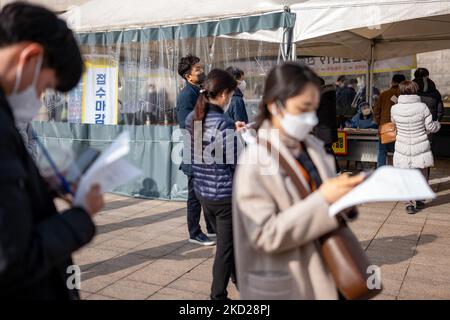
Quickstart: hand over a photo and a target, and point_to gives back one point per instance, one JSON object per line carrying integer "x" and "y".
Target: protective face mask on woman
{"x": 25, "y": 105}
{"x": 296, "y": 126}
{"x": 242, "y": 86}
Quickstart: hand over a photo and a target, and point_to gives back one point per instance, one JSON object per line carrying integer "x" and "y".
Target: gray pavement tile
{"x": 175, "y": 294}
{"x": 130, "y": 290}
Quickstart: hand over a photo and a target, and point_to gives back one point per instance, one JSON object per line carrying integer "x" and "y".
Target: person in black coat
{"x": 345, "y": 97}
{"x": 326, "y": 129}
{"x": 429, "y": 94}
{"x": 36, "y": 242}
{"x": 236, "y": 111}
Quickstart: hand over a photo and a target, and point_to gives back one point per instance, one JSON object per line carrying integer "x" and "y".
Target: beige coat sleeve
{"x": 270, "y": 229}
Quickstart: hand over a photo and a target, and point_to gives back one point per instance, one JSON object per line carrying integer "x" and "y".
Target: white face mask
{"x": 242, "y": 86}
{"x": 25, "y": 105}
{"x": 297, "y": 126}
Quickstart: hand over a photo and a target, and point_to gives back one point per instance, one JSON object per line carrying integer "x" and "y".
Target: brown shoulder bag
{"x": 341, "y": 250}
{"x": 388, "y": 132}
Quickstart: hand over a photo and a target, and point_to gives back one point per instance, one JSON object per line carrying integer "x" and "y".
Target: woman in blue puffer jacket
{"x": 214, "y": 156}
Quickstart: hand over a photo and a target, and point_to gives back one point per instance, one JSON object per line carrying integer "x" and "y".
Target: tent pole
{"x": 293, "y": 52}
{"x": 369, "y": 85}
{"x": 286, "y": 50}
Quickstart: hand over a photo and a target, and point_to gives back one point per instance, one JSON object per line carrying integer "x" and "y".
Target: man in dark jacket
{"x": 236, "y": 110}
{"x": 326, "y": 129}
{"x": 37, "y": 51}
{"x": 429, "y": 94}
{"x": 190, "y": 70}
{"x": 345, "y": 97}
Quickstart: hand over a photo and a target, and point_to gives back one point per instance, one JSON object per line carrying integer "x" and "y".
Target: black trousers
{"x": 219, "y": 213}
{"x": 330, "y": 151}
{"x": 193, "y": 212}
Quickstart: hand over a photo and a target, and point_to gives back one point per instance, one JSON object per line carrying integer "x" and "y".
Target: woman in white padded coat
{"x": 414, "y": 122}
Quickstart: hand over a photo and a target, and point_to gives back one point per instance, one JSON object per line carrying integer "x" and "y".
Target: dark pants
{"x": 330, "y": 151}
{"x": 219, "y": 213}
{"x": 193, "y": 212}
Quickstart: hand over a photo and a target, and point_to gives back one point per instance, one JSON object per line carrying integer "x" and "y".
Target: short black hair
{"x": 321, "y": 81}
{"x": 341, "y": 78}
{"x": 186, "y": 63}
{"x": 398, "y": 78}
{"x": 351, "y": 81}
{"x": 421, "y": 73}
{"x": 235, "y": 72}
{"x": 21, "y": 21}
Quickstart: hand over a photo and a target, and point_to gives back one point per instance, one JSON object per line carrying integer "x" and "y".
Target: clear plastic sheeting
{"x": 140, "y": 66}
{"x": 148, "y": 82}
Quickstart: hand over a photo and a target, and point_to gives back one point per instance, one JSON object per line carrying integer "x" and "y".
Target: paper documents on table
{"x": 110, "y": 170}
{"x": 386, "y": 184}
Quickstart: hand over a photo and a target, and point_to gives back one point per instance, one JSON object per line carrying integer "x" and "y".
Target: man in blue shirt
{"x": 190, "y": 69}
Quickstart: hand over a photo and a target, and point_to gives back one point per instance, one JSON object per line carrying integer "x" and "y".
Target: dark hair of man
{"x": 216, "y": 82}
{"x": 398, "y": 78}
{"x": 235, "y": 72}
{"x": 284, "y": 81}
{"x": 321, "y": 81}
{"x": 408, "y": 87}
{"x": 185, "y": 65}
{"x": 341, "y": 78}
{"x": 20, "y": 22}
{"x": 421, "y": 73}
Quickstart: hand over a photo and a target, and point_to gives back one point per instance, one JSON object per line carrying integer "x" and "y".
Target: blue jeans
{"x": 383, "y": 150}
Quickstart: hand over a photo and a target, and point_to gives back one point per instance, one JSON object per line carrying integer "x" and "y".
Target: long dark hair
{"x": 283, "y": 82}
{"x": 216, "y": 82}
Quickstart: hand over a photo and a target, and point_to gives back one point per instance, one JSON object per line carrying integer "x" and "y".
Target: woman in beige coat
{"x": 275, "y": 231}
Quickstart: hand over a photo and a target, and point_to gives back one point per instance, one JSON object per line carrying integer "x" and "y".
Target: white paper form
{"x": 109, "y": 171}
{"x": 386, "y": 184}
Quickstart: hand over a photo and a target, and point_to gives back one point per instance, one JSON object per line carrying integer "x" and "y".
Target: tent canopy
{"x": 349, "y": 28}
{"x": 100, "y": 15}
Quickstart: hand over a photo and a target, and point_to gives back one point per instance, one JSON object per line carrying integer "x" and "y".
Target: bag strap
{"x": 298, "y": 183}
{"x": 286, "y": 167}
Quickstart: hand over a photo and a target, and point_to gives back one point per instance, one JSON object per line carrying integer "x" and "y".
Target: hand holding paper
{"x": 109, "y": 171}
{"x": 386, "y": 184}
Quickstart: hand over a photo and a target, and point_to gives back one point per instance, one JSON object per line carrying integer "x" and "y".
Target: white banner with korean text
{"x": 100, "y": 94}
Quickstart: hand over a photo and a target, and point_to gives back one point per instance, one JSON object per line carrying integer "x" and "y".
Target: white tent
{"x": 101, "y": 15}
{"x": 370, "y": 30}
{"x": 344, "y": 28}
{"x": 392, "y": 28}
{"x": 365, "y": 29}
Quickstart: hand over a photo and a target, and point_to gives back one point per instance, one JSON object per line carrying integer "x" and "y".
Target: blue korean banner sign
{"x": 100, "y": 94}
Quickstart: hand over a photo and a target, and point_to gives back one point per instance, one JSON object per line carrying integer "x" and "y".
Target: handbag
{"x": 388, "y": 132}
{"x": 340, "y": 249}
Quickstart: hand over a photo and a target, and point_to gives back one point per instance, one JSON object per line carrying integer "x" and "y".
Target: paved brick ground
{"x": 141, "y": 252}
